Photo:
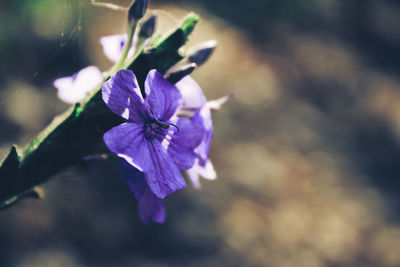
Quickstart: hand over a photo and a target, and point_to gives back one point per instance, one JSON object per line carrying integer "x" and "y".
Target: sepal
{"x": 148, "y": 27}
{"x": 137, "y": 10}
{"x": 175, "y": 74}
{"x": 201, "y": 52}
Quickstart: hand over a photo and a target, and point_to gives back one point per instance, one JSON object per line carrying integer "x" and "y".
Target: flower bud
{"x": 201, "y": 52}
{"x": 137, "y": 10}
{"x": 147, "y": 28}
{"x": 175, "y": 74}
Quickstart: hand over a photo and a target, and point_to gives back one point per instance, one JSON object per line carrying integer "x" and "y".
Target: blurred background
{"x": 307, "y": 154}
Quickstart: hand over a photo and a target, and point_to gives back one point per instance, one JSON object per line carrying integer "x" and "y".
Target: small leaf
{"x": 148, "y": 26}
{"x": 137, "y": 10}
{"x": 175, "y": 74}
{"x": 200, "y": 53}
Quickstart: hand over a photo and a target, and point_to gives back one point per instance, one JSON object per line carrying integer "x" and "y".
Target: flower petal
{"x": 183, "y": 142}
{"x": 73, "y": 88}
{"x": 127, "y": 141}
{"x": 114, "y": 44}
{"x": 163, "y": 176}
{"x": 192, "y": 95}
{"x": 163, "y": 97}
{"x": 150, "y": 207}
{"x": 203, "y": 117}
{"x": 206, "y": 172}
{"x": 121, "y": 93}
{"x": 194, "y": 177}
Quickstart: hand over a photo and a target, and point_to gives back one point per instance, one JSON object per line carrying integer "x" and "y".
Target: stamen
{"x": 166, "y": 125}
{"x": 174, "y": 126}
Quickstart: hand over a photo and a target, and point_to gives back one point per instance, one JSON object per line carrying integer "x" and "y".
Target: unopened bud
{"x": 137, "y": 10}
{"x": 175, "y": 74}
{"x": 201, "y": 52}
{"x": 148, "y": 26}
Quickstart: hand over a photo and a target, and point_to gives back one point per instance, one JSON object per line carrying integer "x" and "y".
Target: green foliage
{"x": 75, "y": 133}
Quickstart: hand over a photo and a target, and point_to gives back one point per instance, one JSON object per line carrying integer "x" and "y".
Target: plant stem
{"x": 131, "y": 34}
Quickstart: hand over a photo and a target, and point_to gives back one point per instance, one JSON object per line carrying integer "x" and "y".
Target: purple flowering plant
{"x": 151, "y": 113}
{"x": 152, "y": 140}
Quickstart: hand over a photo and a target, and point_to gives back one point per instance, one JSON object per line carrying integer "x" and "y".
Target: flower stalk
{"x": 131, "y": 34}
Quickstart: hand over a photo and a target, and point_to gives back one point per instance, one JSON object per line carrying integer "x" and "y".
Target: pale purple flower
{"x": 203, "y": 166}
{"x": 150, "y": 140}
{"x": 73, "y": 88}
{"x": 192, "y": 95}
{"x": 195, "y": 105}
{"x": 114, "y": 44}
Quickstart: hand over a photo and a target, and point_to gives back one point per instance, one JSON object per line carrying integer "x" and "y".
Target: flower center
{"x": 154, "y": 129}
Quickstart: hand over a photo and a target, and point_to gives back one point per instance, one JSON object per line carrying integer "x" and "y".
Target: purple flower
{"x": 73, "y": 88}
{"x": 154, "y": 144}
{"x": 152, "y": 140}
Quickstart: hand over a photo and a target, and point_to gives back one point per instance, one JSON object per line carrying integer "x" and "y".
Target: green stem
{"x": 131, "y": 34}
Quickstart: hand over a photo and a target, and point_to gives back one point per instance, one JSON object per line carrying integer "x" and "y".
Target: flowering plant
{"x": 146, "y": 109}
